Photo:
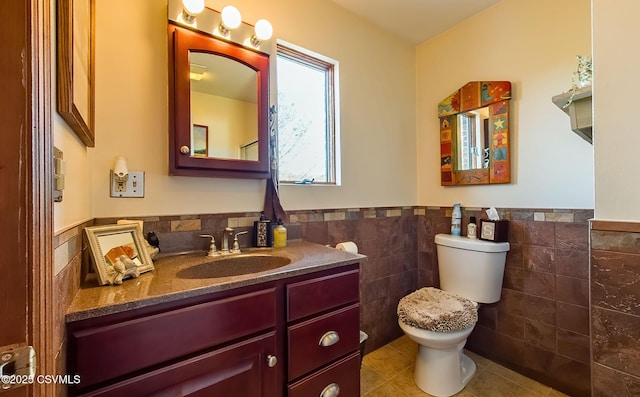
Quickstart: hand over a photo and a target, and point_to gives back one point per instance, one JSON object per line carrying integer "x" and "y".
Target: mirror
{"x": 224, "y": 95}
{"x": 218, "y": 125}
{"x": 474, "y": 134}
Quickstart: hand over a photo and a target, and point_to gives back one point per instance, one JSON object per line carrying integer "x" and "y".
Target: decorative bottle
{"x": 456, "y": 220}
{"x": 472, "y": 228}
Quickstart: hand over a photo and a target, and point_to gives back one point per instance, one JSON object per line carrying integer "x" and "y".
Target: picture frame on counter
{"x": 118, "y": 252}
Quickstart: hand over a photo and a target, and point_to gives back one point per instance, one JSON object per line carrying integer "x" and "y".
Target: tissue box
{"x": 494, "y": 230}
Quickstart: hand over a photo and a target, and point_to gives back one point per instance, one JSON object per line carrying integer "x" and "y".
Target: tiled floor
{"x": 388, "y": 372}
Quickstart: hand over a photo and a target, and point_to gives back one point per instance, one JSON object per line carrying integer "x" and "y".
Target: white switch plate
{"x": 134, "y": 186}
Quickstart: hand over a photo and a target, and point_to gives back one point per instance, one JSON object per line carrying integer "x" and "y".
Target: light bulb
{"x": 193, "y": 7}
{"x": 263, "y": 29}
{"x": 231, "y": 17}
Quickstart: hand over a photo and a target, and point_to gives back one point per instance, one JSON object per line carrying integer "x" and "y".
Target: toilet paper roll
{"x": 348, "y": 246}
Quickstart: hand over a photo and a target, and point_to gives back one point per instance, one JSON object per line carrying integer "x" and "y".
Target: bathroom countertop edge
{"x": 162, "y": 286}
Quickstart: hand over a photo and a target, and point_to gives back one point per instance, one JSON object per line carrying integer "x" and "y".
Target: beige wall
{"x": 533, "y": 44}
{"x": 229, "y": 126}
{"x": 553, "y": 168}
{"x": 377, "y": 114}
{"x": 75, "y": 207}
{"x": 617, "y": 141}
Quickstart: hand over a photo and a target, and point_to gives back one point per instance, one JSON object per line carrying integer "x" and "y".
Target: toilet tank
{"x": 471, "y": 268}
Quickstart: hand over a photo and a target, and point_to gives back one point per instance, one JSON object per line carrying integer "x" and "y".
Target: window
{"x": 307, "y": 117}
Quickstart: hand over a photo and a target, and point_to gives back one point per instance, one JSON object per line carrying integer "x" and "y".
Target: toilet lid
{"x": 439, "y": 311}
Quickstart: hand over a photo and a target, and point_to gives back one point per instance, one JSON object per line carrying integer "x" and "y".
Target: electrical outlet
{"x": 133, "y": 187}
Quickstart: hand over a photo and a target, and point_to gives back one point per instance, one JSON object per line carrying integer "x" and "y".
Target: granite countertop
{"x": 163, "y": 284}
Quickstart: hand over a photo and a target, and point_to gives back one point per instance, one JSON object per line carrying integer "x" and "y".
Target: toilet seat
{"x": 436, "y": 310}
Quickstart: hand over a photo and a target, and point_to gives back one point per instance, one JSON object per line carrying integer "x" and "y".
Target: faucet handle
{"x": 236, "y": 244}
{"x": 212, "y": 246}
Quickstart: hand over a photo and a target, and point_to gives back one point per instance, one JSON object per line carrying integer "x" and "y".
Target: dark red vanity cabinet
{"x": 257, "y": 341}
{"x": 324, "y": 336}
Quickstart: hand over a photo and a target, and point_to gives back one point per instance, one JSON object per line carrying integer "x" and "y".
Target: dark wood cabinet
{"x": 241, "y": 369}
{"x": 269, "y": 340}
{"x": 323, "y": 336}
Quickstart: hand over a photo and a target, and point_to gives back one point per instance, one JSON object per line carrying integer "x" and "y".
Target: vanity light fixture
{"x": 196, "y": 71}
{"x": 231, "y": 19}
{"x": 190, "y": 9}
{"x": 263, "y": 31}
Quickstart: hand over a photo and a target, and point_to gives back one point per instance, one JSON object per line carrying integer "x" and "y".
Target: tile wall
{"x": 539, "y": 328}
{"x": 70, "y": 253}
{"x": 615, "y": 308}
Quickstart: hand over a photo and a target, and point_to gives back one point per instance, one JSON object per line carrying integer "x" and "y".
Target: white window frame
{"x": 313, "y": 59}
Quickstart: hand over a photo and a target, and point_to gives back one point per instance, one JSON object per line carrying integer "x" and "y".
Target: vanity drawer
{"x": 320, "y": 294}
{"x": 338, "y": 331}
{"x": 344, "y": 374}
{"x": 101, "y": 353}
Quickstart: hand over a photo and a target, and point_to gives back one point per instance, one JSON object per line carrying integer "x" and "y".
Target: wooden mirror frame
{"x": 181, "y": 41}
{"x": 473, "y": 95}
{"x": 66, "y": 78}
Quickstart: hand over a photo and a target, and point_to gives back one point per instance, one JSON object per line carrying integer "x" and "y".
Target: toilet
{"x": 441, "y": 320}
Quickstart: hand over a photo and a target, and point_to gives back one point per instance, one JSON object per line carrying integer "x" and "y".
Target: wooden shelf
{"x": 579, "y": 111}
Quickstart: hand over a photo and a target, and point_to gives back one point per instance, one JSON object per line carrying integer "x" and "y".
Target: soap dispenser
{"x": 279, "y": 235}
{"x": 262, "y": 236}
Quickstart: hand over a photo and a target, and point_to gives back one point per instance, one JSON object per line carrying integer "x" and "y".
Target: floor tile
{"x": 486, "y": 383}
{"x": 388, "y": 372}
{"x": 369, "y": 379}
{"x": 386, "y": 361}
{"x": 533, "y": 386}
{"x": 386, "y": 390}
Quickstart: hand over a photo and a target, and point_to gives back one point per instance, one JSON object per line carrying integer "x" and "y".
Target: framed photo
{"x": 76, "y": 70}
{"x": 118, "y": 252}
{"x": 200, "y": 140}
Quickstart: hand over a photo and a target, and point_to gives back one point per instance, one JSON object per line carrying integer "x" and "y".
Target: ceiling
{"x": 415, "y": 20}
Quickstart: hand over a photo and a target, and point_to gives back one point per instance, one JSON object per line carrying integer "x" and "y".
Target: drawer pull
{"x": 329, "y": 338}
{"x": 272, "y": 361}
{"x": 332, "y": 390}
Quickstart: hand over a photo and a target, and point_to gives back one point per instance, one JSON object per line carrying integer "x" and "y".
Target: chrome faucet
{"x": 212, "y": 245}
{"x": 236, "y": 244}
{"x": 225, "y": 240}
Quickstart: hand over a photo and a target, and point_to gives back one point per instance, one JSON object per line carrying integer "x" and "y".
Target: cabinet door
{"x": 238, "y": 370}
{"x": 146, "y": 342}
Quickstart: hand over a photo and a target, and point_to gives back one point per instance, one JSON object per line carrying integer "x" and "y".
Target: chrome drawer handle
{"x": 272, "y": 361}
{"x": 329, "y": 338}
{"x": 332, "y": 390}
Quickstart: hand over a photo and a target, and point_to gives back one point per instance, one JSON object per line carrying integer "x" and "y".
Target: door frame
{"x": 42, "y": 321}
{"x": 29, "y": 303}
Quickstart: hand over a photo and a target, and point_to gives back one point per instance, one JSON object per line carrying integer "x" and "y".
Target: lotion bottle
{"x": 279, "y": 235}
{"x": 456, "y": 220}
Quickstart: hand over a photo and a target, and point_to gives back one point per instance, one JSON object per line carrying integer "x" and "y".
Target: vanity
{"x": 289, "y": 331}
